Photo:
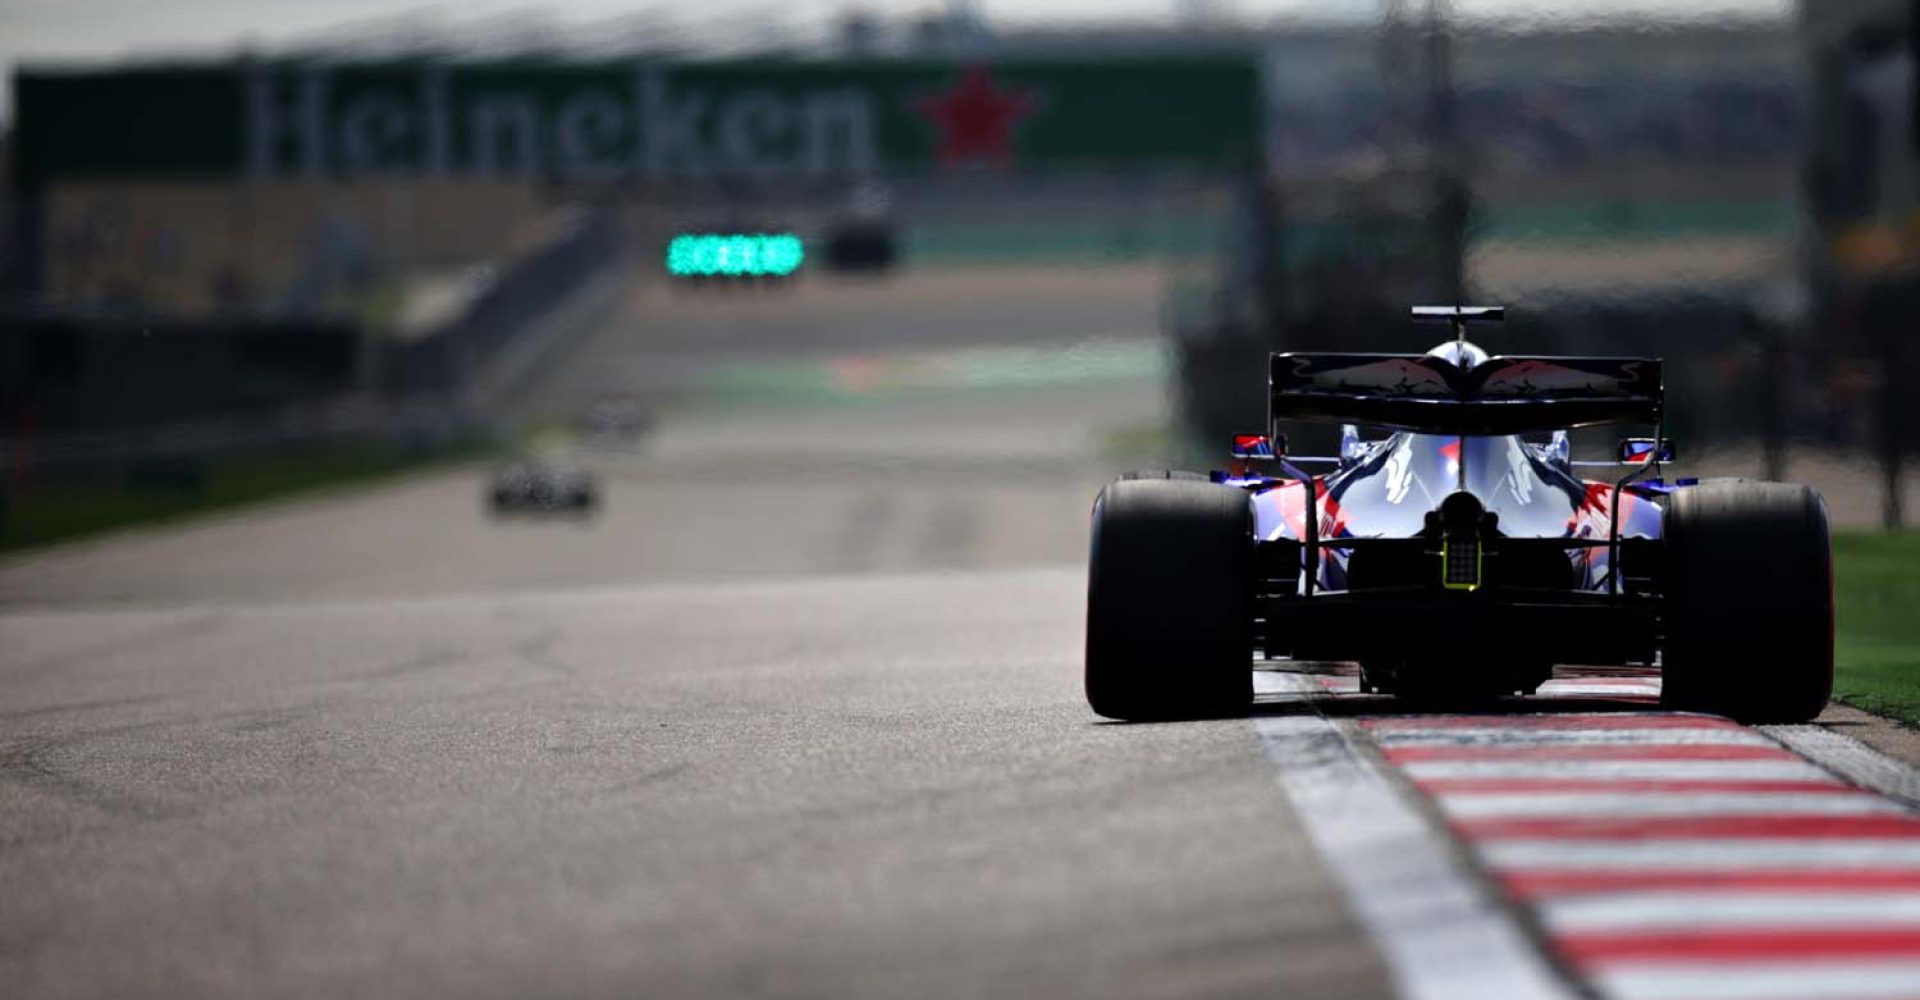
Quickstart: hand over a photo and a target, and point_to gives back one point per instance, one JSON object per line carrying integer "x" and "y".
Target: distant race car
{"x": 1461, "y": 555}
{"x": 542, "y": 485}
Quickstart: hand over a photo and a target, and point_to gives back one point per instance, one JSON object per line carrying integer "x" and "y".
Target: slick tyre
{"x": 1169, "y": 601}
{"x": 1749, "y": 602}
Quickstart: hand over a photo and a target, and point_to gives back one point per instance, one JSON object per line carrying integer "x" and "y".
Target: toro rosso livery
{"x": 1455, "y": 549}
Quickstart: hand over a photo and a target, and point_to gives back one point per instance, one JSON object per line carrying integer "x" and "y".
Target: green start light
{"x": 734, "y": 255}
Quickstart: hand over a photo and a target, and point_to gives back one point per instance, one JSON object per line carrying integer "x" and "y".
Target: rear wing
{"x": 1431, "y": 395}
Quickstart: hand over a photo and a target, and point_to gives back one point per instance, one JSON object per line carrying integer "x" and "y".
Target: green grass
{"x": 1877, "y": 617}
{"x": 50, "y": 512}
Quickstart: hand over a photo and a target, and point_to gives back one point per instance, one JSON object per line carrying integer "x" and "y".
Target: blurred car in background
{"x": 863, "y": 236}
{"x": 543, "y": 485}
{"x": 861, "y": 245}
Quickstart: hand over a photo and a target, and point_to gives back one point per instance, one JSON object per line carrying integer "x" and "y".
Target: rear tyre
{"x": 1749, "y": 602}
{"x": 1170, "y": 601}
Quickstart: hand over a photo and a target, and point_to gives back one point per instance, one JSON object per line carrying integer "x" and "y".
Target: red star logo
{"x": 976, "y": 118}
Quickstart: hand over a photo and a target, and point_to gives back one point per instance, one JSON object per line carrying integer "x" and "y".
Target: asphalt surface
{"x": 872, "y": 787}
{"x": 797, "y": 715}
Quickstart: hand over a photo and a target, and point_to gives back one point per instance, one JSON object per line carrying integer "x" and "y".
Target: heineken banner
{"x": 612, "y": 121}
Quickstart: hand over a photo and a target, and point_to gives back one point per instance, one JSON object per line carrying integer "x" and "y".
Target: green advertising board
{"x": 626, "y": 120}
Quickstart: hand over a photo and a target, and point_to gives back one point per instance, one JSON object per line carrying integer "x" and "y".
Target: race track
{"x": 798, "y": 715}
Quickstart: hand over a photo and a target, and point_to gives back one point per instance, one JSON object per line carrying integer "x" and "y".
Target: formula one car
{"x": 1460, "y": 556}
{"x": 542, "y": 485}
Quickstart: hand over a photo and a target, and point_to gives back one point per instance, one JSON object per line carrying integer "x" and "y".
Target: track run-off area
{"x": 799, "y": 714}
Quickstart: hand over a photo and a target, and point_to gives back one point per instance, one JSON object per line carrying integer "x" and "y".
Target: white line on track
{"x": 1588, "y": 689}
{"x": 1702, "y": 854}
{"x": 1678, "y": 770}
{"x": 1847, "y": 980}
{"x": 1851, "y": 759}
{"x": 1637, "y": 688}
{"x": 1697, "y": 909}
{"x": 1473, "y": 805}
{"x": 1287, "y": 682}
{"x": 1441, "y": 934}
{"x": 1510, "y": 736}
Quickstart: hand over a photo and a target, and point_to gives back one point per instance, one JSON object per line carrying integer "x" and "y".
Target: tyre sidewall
{"x": 1169, "y": 600}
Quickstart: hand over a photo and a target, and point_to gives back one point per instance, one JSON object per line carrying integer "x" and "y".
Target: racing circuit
{"x": 799, "y": 714}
